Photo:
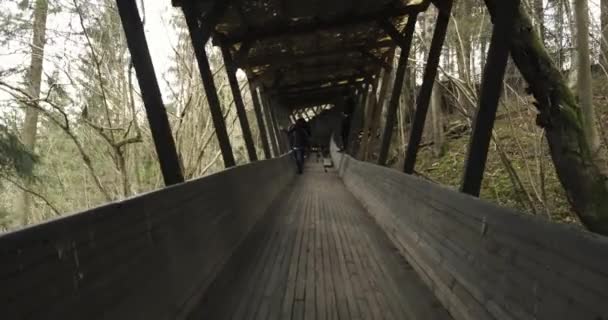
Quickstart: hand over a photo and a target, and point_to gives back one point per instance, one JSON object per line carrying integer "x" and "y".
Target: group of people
{"x": 299, "y": 135}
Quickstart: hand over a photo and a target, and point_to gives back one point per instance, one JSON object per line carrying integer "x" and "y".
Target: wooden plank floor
{"x": 318, "y": 254}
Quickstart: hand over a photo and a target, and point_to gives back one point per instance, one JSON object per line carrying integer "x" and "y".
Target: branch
{"x": 34, "y": 193}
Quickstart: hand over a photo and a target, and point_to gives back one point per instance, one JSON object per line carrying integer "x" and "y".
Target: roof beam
{"x": 273, "y": 31}
{"x": 207, "y": 21}
{"x": 290, "y": 58}
{"x": 395, "y": 35}
{"x": 319, "y": 84}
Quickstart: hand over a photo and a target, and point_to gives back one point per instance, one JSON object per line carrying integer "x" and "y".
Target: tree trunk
{"x": 585, "y": 92}
{"x": 437, "y": 122}
{"x": 585, "y": 183}
{"x": 573, "y": 74}
{"x": 539, "y": 14}
{"x": 604, "y": 34}
{"x": 28, "y": 134}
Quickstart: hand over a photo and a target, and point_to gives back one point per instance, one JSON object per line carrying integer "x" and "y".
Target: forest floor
{"x": 519, "y": 172}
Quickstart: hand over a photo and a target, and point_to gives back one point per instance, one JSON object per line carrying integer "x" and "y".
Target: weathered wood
{"x": 430, "y": 73}
{"x": 313, "y": 26}
{"x": 286, "y": 59}
{"x": 206, "y": 22}
{"x": 282, "y": 123}
{"x": 199, "y": 39}
{"x": 238, "y": 102}
{"x": 148, "y": 257}
{"x": 259, "y": 115}
{"x": 322, "y": 84}
{"x": 151, "y": 95}
{"x": 358, "y": 121}
{"x": 370, "y": 105}
{"x": 399, "y": 39}
{"x": 406, "y": 45}
{"x": 272, "y": 134}
{"x": 318, "y": 255}
{"x": 483, "y": 261}
{"x": 491, "y": 87}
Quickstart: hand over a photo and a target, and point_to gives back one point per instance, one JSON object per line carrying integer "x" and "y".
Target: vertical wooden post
{"x": 260, "y": 120}
{"x": 269, "y": 123}
{"x": 370, "y": 110}
{"x": 238, "y": 102}
{"x": 493, "y": 75}
{"x": 424, "y": 97}
{"x": 357, "y": 122}
{"x": 397, "y": 88}
{"x": 151, "y": 95}
{"x": 192, "y": 14}
{"x": 276, "y": 121}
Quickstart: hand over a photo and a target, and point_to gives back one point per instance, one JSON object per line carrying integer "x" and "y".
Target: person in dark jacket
{"x": 299, "y": 135}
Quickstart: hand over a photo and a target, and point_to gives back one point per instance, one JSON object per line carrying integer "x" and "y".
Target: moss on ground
{"x": 519, "y": 138}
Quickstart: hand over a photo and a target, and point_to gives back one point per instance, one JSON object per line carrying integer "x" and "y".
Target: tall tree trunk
{"x": 28, "y": 134}
{"x": 558, "y": 20}
{"x": 573, "y": 74}
{"x": 584, "y": 181}
{"x": 539, "y": 14}
{"x": 604, "y": 34}
{"x": 585, "y": 92}
{"x": 437, "y": 122}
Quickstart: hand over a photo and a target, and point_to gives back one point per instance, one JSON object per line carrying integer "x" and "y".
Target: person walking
{"x": 299, "y": 136}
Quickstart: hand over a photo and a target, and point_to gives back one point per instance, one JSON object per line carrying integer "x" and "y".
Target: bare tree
{"x": 34, "y": 78}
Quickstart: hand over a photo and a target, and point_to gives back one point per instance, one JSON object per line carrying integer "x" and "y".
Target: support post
{"x": 151, "y": 95}
{"x": 269, "y": 123}
{"x": 260, "y": 120}
{"x": 493, "y": 76}
{"x": 357, "y": 122}
{"x": 238, "y": 102}
{"x": 199, "y": 40}
{"x": 276, "y": 118}
{"x": 370, "y": 105}
{"x": 397, "y": 88}
{"x": 424, "y": 97}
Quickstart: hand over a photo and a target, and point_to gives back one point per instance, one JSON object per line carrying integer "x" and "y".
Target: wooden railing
{"x": 483, "y": 261}
{"x": 149, "y": 257}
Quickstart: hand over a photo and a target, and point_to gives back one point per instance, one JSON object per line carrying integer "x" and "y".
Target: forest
{"x": 73, "y": 131}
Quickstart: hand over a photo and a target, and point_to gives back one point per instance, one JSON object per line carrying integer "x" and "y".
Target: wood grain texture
{"x": 483, "y": 261}
{"x": 318, "y": 255}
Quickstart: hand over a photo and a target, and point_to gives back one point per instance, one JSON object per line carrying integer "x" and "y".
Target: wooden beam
{"x": 493, "y": 75}
{"x": 260, "y": 120}
{"x": 357, "y": 123}
{"x": 424, "y": 97}
{"x": 238, "y": 102}
{"x": 406, "y": 44}
{"x": 275, "y": 124}
{"x": 378, "y": 61}
{"x": 150, "y": 92}
{"x": 326, "y": 93}
{"x": 273, "y": 31}
{"x": 339, "y": 66}
{"x": 272, "y": 134}
{"x": 321, "y": 84}
{"x": 206, "y": 21}
{"x": 395, "y": 35}
{"x": 243, "y": 51}
{"x": 289, "y": 58}
{"x": 197, "y": 35}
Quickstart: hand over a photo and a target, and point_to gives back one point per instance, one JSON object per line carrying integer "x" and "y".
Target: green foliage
{"x": 14, "y": 156}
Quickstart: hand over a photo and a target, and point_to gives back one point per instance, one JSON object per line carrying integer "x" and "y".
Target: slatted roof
{"x": 308, "y": 50}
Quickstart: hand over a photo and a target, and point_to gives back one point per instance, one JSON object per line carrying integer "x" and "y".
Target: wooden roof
{"x": 297, "y": 49}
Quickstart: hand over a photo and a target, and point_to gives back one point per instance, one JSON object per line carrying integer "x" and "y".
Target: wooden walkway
{"x": 318, "y": 255}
